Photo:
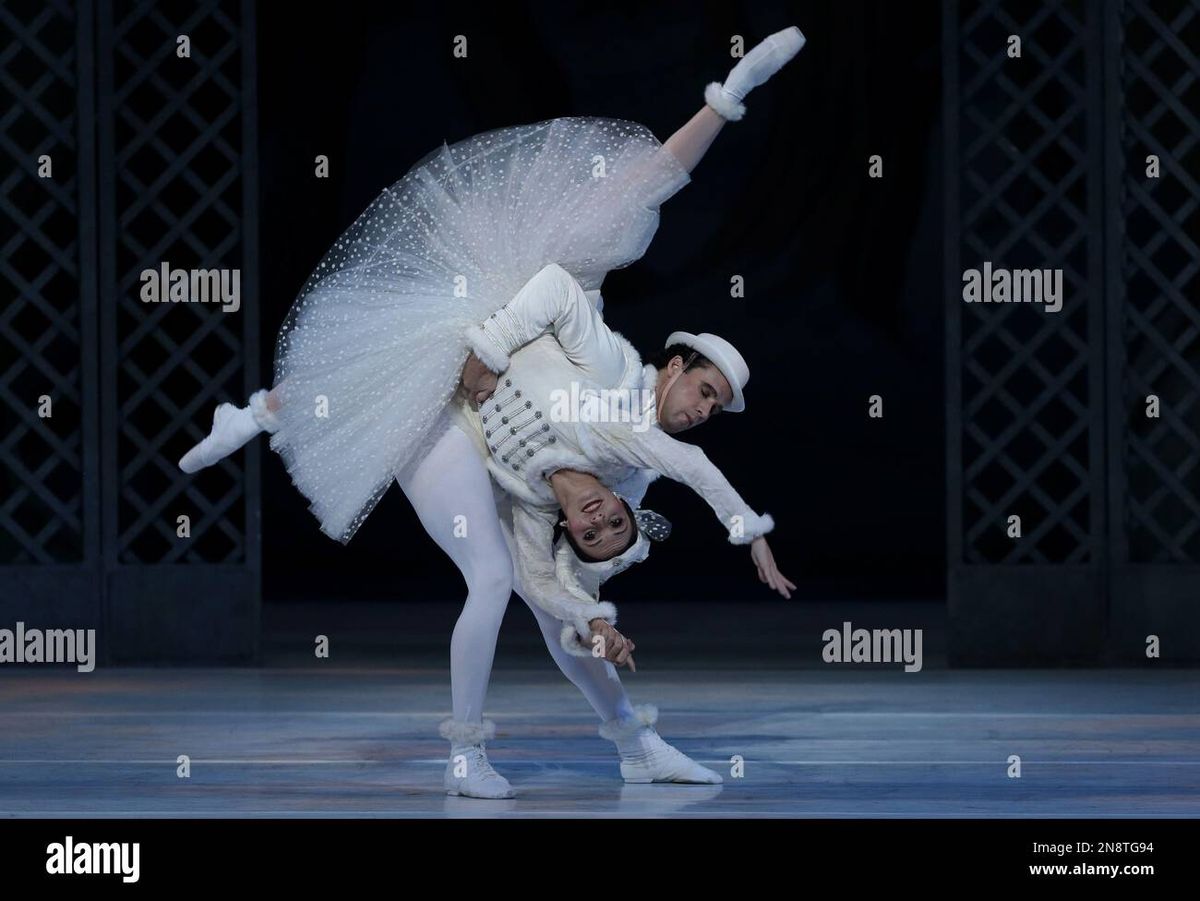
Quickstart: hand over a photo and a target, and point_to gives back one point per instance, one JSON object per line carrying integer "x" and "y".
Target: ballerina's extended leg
{"x": 232, "y": 427}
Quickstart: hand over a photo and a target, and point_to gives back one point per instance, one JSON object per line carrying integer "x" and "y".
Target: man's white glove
{"x": 763, "y": 61}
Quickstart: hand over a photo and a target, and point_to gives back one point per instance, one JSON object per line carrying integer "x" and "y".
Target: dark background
{"x": 842, "y": 271}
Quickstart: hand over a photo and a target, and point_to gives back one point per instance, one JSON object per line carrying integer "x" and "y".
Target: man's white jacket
{"x": 573, "y": 394}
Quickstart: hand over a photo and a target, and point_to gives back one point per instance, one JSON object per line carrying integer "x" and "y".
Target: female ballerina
{"x": 370, "y": 357}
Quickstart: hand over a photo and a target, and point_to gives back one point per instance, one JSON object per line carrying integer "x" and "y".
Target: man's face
{"x": 692, "y": 397}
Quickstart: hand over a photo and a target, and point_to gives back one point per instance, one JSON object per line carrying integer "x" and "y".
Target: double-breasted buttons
{"x": 524, "y": 426}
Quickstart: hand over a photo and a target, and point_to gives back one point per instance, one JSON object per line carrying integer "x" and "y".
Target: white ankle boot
{"x": 468, "y": 771}
{"x": 764, "y": 60}
{"x": 645, "y": 757}
{"x": 232, "y": 427}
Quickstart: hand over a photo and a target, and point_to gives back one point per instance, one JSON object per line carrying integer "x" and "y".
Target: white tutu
{"x": 371, "y": 352}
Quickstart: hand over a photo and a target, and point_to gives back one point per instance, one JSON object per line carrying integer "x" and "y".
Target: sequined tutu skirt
{"x": 370, "y": 354}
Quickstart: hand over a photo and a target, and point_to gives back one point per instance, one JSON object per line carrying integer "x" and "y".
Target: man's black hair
{"x": 691, "y": 357}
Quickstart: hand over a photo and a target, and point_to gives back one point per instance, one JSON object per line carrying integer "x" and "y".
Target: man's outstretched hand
{"x": 768, "y": 572}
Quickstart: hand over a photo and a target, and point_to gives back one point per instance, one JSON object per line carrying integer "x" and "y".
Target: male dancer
{"x": 451, "y": 483}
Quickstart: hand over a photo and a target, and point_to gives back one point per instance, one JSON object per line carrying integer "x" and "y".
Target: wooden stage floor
{"x": 358, "y": 738}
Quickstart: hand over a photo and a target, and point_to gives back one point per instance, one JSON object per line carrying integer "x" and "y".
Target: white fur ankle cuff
{"x": 727, "y": 107}
{"x": 262, "y": 415}
{"x": 644, "y": 715}
{"x": 466, "y": 733}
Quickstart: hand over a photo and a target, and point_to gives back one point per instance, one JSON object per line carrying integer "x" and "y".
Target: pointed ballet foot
{"x": 232, "y": 427}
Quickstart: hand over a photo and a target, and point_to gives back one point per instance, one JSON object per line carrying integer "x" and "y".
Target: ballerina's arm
{"x": 533, "y": 537}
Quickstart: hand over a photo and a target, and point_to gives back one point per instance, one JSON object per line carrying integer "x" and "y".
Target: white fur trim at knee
{"x": 726, "y": 107}
{"x": 263, "y": 416}
{"x": 616, "y": 729}
{"x": 462, "y": 733}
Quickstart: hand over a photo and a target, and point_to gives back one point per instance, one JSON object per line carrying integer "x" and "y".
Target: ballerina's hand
{"x": 760, "y": 553}
{"x": 618, "y": 649}
{"x": 477, "y": 380}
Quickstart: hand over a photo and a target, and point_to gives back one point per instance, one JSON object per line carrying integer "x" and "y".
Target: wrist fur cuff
{"x": 753, "y": 526}
{"x": 485, "y": 348}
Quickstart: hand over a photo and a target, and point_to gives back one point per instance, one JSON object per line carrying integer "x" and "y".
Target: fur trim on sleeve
{"x": 753, "y": 526}
{"x": 576, "y": 637}
{"x": 492, "y": 356}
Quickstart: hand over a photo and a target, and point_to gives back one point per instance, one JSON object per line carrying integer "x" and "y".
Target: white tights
{"x": 451, "y": 481}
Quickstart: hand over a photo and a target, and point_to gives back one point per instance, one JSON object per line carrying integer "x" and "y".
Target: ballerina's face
{"x": 599, "y": 523}
{"x": 692, "y": 397}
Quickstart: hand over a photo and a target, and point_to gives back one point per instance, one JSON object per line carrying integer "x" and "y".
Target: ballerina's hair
{"x": 584, "y": 555}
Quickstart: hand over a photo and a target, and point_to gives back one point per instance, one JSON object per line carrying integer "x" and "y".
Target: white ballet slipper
{"x": 232, "y": 427}
{"x": 467, "y": 750}
{"x": 645, "y": 757}
{"x": 764, "y": 60}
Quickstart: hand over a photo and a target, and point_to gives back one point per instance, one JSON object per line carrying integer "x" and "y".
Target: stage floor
{"x": 305, "y": 738}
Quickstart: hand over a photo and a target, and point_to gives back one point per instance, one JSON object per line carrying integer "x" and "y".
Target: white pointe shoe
{"x": 232, "y": 427}
{"x": 468, "y": 771}
{"x": 645, "y": 757}
{"x": 764, "y": 59}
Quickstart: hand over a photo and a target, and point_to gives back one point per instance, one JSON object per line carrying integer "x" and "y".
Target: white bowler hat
{"x": 724, "y": 356}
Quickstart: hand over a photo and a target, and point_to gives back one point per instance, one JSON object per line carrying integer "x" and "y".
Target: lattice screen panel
{"x": 47, "y": 282}
{"x": 1160, "y": 276}
{"x": 174, "y": 142}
